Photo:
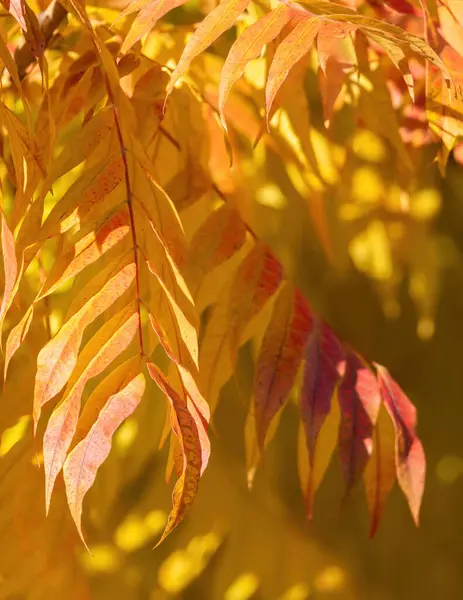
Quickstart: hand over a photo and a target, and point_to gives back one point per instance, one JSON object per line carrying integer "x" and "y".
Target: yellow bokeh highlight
{"x": 125, "y": 435}
{"x": 255, "y": 73}
{"x": 13, "y": 435}
{"x": 449, "y": 469}
{"x": 184, "y": 566}
{"x": 330, "y": 579}
{"x": 368, "y": 146}
{"x": 55, "y": 320}
{"x": 367, "y": 185}
{"x": 103, "y": 559}
{"x": 300, "y": 591}
{"x": 425, "y": 204}
{"x": 243, "y": 588}
{"x": 271, "y": 196}
{"x": 136, "y": 531}
{"x": 371, "y": 252}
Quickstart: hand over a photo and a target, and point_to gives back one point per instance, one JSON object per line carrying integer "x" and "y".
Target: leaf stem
{"x": 131, "y": 213}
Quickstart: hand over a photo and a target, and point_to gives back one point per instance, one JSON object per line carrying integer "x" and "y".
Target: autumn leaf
{"x": 186, "y": 487}
{"x": 146, "y": 19}
{"x": 217, "y": 240}
{"x": 213, "y": 25}
{"x": 321, "y": 376}
{"x": 87, "y": 456}
{"x": 57, "y": 359}
{"x": 129, "y": 242}
{"x": 293, "y": 47}
{"x": 409, "y": 455}
{"x": 312, "y": 468}
{"x": 10, "y": 268}
{"x": 248, "y": 46}
{"x": 17, "y": 8}
{"x": 380, "y": 475}
{"x": 110, "y": 341}
{"x": 254, "y": 283}
{"x": 279, "y": 357}
{"x": 359, "y": 400}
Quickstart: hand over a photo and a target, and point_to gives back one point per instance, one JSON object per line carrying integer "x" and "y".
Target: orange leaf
{"x": 336, "y": 55}
{"x": 16, "y": 337}
{"x": 279, "y": 357}
{"x": 17, "y": 9}
{"x": 312, "y": 468}
{"x": 211, "y": 27}
{"x": 409, "y": 454}
{"x": 84, "y": 142}
{"x": 201, "y": 412}
{"x": 295, "y": 45}
{"x": 219, "y": 237}
{"x": 10, "y": 268}
{"x": 379, "y": 475}
{"x": 58, "y": 358}
{"x": 147, "y": 19}
{"x": 247, "y": 47}
{"x": 187, "y": 485}
{"x": 84, "y": 460}
{"x": 12, "y": 68}
{"x": 399, "y": 59}
{"x": 107, "y": 344}
{"x": 185, "y": 329}
{"x": 86, "y": 250}
{"x": 84, "y": 194}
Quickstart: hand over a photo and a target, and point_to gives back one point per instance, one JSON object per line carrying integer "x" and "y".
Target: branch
{"x": 49, "y": 20}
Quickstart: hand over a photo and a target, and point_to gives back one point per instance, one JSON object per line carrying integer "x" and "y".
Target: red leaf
{"x": 359, "y": 400}
{"x": 409, "y": 453}
{"x": 320, "y": 378}
{"x": 255, "y": 282}
{"x": 89, "y": 454}
{"x": 279, "y": 357}
{"x": 217, "y": 239}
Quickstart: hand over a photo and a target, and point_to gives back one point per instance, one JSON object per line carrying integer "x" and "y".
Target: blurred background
{"x": 379, "y": 254}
